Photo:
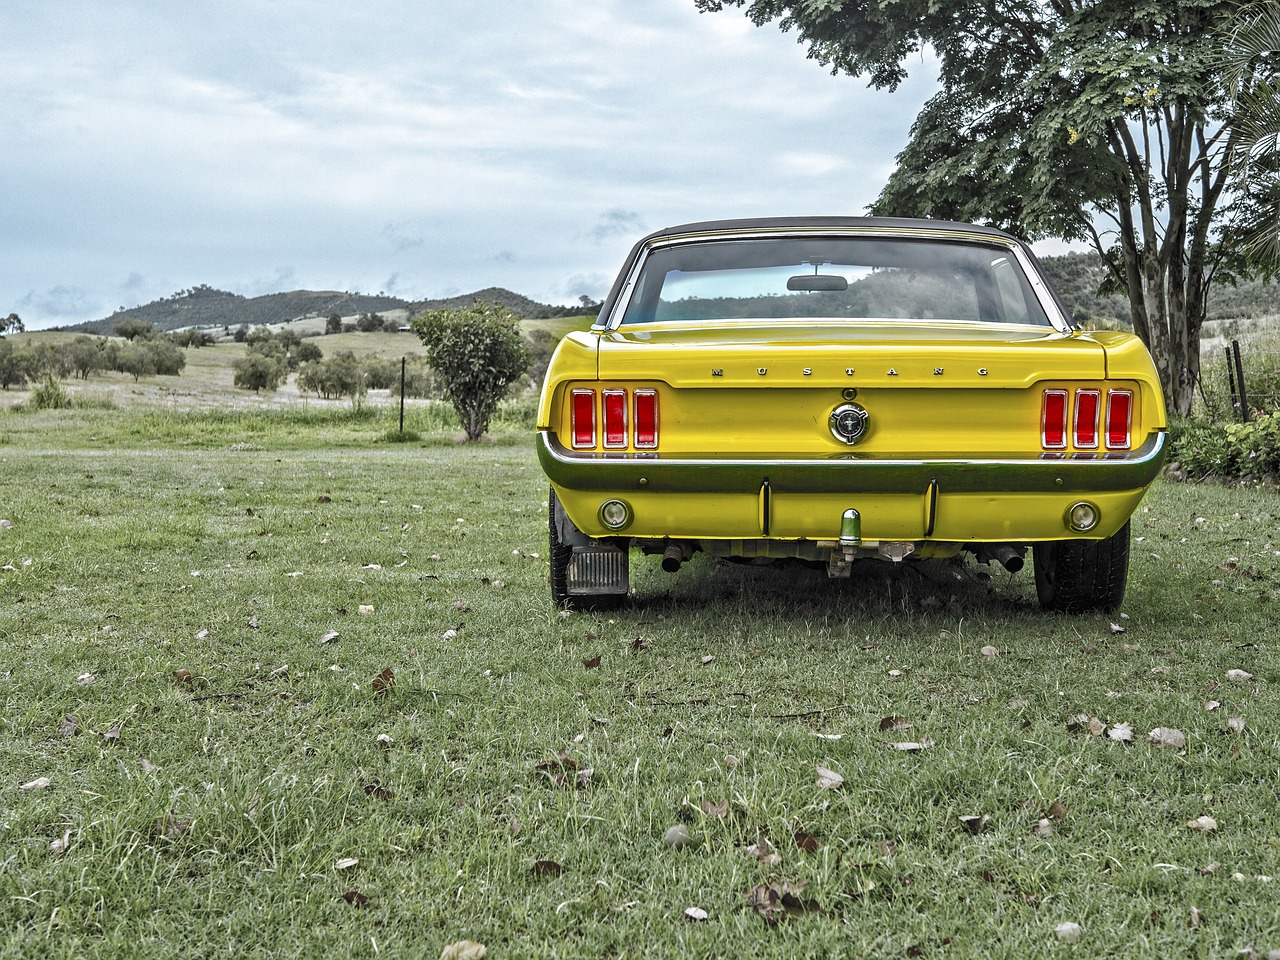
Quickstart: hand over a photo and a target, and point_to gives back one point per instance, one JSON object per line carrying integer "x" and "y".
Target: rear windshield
{"x": 814, "y": 278}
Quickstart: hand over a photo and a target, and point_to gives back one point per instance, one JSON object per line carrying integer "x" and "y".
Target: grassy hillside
{"x": 205, "y": 306}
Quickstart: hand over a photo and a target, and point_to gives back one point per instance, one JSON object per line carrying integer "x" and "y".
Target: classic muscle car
{"x": 834, "y": 389}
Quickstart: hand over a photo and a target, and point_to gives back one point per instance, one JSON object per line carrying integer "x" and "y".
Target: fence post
{"x": 1244, "y": 396}
{"x": 402, "y": 394}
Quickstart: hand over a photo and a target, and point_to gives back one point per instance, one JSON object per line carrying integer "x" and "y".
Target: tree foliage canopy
{"x": 477, "y": 351}
{"x": 1096, "y": 121}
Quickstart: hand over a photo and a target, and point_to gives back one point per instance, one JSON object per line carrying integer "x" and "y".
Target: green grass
{"x": 146, "y": 552}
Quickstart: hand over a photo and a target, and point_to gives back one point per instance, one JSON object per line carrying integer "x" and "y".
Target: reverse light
{"x": 1082, "y": 517}
{"x": 615, "y": 514}
{"x": 1119, "y": 419}
{"x": 1086, "y": 418}
{"x": 582, "y": 412}
{"x": 646, "y": 419}
{"x": 1053, "y": 420}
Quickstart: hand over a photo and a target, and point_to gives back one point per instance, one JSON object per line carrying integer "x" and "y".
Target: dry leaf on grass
{"x": 1235, "y": 724}
{"x": 61, "y": 844}
{"x": 355, "y": 898}
{"x": 912, "y": 747}
{"x": 1239, "y": 675}
{"x": 1205, "y": 824}
{"x": 329, "y": 636}
{"x": 990, "y": 651}
{"x": 1069, "y": 932}
{"x": 591, "y": 662}
{"x": 384, "y": 682}
{"x": 695, "y": 913}
{"x": 717, "y": 811}
{"x": 39, "y": 783}
{"x": 346, "y": 863}
{"x": 1167, "y": 738}
{"x": 829, "y": 779}
{"x": 895, "y": 723}
{"x": 546, "y": 868}
{"x": 778, "y": 899}
{"x": 69, "y": 725}
{"x": 975, "y": 823}
{"x": 464, "y": 950}
{"x": 763, "y": 851}
{"x": 1121, "y": 732}
{"x": 806, "y": 842}
{"x": 1043, "y": 828}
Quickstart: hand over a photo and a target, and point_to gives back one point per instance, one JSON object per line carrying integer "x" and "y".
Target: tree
{"x": 11, "y": 324}
{"x": 1081, "y": 120}
{"x": 136, "y": 361}
{"x": 369, "y": 322}
{"x": 333, "y": 324}
{"x": 477, "y": 351}
{"x": 16, "y": 365}
{"x": 1252, "y": 61}
{"x": 86, "y": 355}
{"x": 134, "y": 330}
{"x": 258, "y": 372}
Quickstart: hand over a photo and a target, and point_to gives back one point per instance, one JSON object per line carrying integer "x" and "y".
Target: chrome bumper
{"x": 1047, "y": 473}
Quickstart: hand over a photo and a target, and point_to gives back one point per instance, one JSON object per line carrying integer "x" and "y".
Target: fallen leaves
{"x": 1204, "y": 824}
{"x": 829, "y": 779}
{"x": 464, "y": 950}
{"x": 778, "y": 899}
{"x": 563, "y": 771}
{"x": 1069, "y": 932}
{"x": 1167, "y": 738}
{"x": 39, "y": 783}
{"x": 384, "y": 682}
{"x": 974, "y": 824}
{"x": 1239, "y": 676}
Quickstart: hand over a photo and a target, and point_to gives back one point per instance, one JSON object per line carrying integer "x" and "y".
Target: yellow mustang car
{"x": 835, "y": 389}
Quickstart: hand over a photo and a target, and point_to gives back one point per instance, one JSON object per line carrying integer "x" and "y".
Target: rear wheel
{"x": 1077, "y": 576}
{"x": 561, "y": 556}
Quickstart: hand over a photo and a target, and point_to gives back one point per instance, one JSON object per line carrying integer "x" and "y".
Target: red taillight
{"x": 1053, "y": 420}
{"x": 1119, "y": 418}
{"x": 646, "y": 420}
{"x": 583, "y": 414}
{"x": 615, "y": 417}
{"x": 1086, "y": 418}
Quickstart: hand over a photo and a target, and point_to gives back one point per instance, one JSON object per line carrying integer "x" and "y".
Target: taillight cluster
{"x": 1087, "y": 419}
{"x": 615, "y": 417}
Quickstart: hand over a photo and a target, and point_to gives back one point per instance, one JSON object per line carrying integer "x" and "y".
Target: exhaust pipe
{"x": 1011, "y": 558}
{"x": 673, "y": 557}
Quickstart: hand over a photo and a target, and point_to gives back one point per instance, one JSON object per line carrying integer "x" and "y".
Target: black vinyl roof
{"x": 824, "y": 223}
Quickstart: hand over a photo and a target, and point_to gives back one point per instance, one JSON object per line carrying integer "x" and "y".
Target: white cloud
{"x": 449, "y": 148}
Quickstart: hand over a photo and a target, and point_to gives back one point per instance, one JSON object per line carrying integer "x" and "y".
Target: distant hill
{"x": 1077, "y": 276}
{"x": 205, "y": 306}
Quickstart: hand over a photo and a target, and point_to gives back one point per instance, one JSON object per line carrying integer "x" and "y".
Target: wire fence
{"x": 1252, "y": 381}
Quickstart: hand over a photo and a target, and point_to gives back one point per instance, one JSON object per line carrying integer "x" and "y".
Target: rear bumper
{"x": 622, "y": 473}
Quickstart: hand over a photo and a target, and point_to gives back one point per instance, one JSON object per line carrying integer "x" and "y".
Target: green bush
{"x": 50, "y": 395}
{"x": 1205, "y": 448}
{"x": 477, "y": 351}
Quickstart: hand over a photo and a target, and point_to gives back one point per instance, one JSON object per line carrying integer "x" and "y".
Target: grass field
{"x": 274, "y": 688}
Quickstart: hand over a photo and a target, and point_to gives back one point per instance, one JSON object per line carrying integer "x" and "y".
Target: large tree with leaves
{"x": 1252, "y": 63}
{"x": 1090, "y": 120}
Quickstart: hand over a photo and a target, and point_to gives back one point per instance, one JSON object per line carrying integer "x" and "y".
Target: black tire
{"x": 560, "y": 553}
{"x": 1079, "y": 576}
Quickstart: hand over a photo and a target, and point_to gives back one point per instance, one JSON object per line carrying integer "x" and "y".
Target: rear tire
{"x": 561, "y": 553}
{"x": 1078, "y": 576}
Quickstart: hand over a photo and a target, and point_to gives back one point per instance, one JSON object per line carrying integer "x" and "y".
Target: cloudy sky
{"x": 424, "y": 148}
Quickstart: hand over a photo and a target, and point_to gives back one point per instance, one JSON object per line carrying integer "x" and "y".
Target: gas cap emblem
{"x": 848, "y": 423}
